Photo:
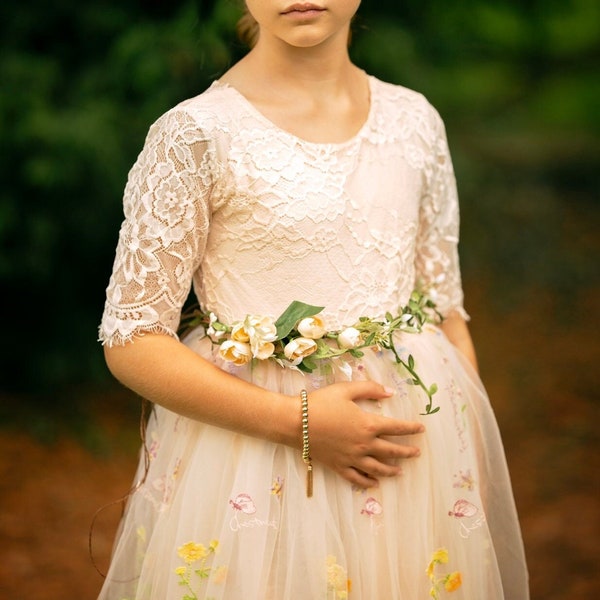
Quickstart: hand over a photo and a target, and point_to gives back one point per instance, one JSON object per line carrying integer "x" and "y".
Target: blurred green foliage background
{"x": 516, "y": 82}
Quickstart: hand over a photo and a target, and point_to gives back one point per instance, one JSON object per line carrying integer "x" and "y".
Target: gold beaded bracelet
{"x": 306, "y": 445}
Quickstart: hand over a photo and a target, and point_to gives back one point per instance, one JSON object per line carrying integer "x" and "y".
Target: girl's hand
{"x": 353, "y": 442}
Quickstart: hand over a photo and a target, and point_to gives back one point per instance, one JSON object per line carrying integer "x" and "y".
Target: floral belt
{"x": 299, "y": 338}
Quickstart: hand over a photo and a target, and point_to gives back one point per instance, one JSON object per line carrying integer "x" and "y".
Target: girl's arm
{"x": 457, "y": 331}
{"x": 343, "y": 437}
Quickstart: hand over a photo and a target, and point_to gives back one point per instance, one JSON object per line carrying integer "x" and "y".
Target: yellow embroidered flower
{"x": 453, "y": 581}
{"x": 192, "y": 552}
{"x": 141, "y": 534}
{"x": 213, "y": 545}
{"x": 440, "y": 556}
{"x": 180, "y": 570}
{"x": 450, "y": 581}
{"x": 429, "y": 570}
{"x": 337, "y": 579}
{"x": 277, "y": 486}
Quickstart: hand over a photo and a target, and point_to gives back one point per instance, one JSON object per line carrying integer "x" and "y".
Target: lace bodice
{"x": 255, "y": 217}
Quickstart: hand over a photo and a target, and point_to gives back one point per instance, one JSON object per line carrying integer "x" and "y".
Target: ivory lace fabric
{"x": 253, "y": 218}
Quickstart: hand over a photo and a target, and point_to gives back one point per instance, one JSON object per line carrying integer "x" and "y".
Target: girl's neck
{"x": 316, "y": 93}
{"x": 306, "y": 68}
{"x": 272, "y": 64}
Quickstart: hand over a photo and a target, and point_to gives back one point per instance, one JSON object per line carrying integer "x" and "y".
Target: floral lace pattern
{"x": 253, "y": 216}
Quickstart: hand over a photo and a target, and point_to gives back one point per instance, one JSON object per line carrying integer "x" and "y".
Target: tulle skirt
{"x": 225, "y": 516}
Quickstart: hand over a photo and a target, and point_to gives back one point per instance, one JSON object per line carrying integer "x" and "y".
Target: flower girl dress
{"x": 254, "y": 218}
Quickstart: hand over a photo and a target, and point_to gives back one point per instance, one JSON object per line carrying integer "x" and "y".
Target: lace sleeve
{"x": 162, "y": 238}
{"x": 437, "y": 264}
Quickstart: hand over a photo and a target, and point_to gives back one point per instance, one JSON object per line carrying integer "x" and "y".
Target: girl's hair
{"x": 247, "y": 28}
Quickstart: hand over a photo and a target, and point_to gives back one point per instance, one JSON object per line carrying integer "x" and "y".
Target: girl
{"x": 341, "y": 448}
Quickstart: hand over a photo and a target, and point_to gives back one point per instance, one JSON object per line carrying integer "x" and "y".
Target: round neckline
{"x": 262, "y": 117}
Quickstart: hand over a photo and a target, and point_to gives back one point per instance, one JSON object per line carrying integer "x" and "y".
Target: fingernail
{"x": 389, "y": 391}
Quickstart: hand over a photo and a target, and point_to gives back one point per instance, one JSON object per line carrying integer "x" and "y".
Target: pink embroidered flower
{"x": 464, "y": 480}
{"x": 244, "y": 503}
{"x": 463, "y": 508}
{"x": 371, "y": 507}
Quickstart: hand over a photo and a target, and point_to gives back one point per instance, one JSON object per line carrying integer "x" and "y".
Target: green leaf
{"x": 309, "y": 364}
{"x": 304, "y": 367}
{"x": 292, "y": 314}
{"x": 433, "y": 389}
{"x": 323, "y": 349}
{"x": 411, "y": 362}
{"x": 202, "y": 573}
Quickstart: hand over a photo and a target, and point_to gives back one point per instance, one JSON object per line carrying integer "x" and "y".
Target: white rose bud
{"x": 239, "y": 333}
{"x": 298, "y": 349}
{"x": 312, "y": 328}
{"x": 262, "y": 350}
{"x": 262, "y": 328}
{"x": 261, "y": 333}
{"x": 349, "y": 338}
{"x": 214, "y": 334}
{"x": 236, "y": 352}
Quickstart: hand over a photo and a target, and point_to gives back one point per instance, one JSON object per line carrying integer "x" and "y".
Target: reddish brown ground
{"x": 543, "y": 382}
